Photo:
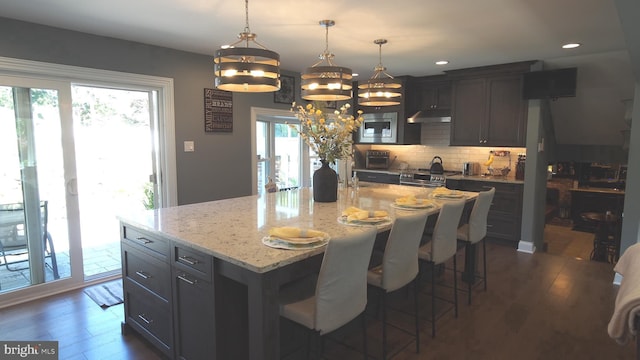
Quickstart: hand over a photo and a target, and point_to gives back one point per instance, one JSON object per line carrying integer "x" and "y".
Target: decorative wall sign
{"x": 287, "y": 92}
{"x": 218, "y": 110}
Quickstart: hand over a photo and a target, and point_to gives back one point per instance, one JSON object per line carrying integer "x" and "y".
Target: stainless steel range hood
{"x": 431, "y": 116}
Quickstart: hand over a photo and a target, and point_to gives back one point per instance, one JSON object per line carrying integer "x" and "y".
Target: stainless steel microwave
{"x": 379, "y": 128}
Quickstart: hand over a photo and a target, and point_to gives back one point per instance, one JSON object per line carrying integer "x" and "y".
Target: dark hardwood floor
{"x": 539, "y": 306}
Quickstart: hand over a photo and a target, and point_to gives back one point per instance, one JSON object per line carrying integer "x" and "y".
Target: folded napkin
{"x": 353, "y": 213}
{"x": 441, "y": 190}
{"x": 288, "y": 232}
{"x": 411, "y": 200}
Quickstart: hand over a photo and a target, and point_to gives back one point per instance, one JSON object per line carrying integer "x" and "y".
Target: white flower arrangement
{"x": 329, "y": 136}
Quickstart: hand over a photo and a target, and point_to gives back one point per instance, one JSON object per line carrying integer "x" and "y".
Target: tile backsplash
{"x": 437, "y": 136}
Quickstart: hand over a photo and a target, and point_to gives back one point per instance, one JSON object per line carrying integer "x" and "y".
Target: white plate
{"x": 377, "y": 221}
{"x": 288, "y": 245}
{"x": 449, "y": 196}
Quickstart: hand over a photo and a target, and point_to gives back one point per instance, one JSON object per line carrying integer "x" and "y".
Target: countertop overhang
{"x": 232, "y": 229}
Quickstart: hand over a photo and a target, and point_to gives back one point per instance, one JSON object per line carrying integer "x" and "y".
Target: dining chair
{"x": 13, "y": 238}
{"x": 399, "y": 266}
{"x": 339, "y": 294}
{"x": 475, "y": 231}
{"x": 441, "y": 248}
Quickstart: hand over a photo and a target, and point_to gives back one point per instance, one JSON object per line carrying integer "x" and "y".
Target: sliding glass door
{"x": 34, "y": 231}
{"x": 73, "y": 157}
{"x": 114, "y": 151}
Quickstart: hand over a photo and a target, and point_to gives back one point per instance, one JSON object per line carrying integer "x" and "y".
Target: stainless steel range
{"x": 424, "y": 178}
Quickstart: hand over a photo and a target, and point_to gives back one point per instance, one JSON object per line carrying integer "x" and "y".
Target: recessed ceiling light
{"x": 355, "y": 74}
{"x": 442, "y": 62}
{"x": 571, "y": 45}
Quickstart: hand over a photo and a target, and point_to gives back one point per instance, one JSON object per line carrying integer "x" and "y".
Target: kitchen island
{"x": 231, "y": 308}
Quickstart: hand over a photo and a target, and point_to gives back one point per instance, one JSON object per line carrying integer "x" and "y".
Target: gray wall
{"x": 220, "y": 167}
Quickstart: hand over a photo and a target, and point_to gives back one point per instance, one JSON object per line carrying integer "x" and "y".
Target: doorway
{"x": 79, "y": 153}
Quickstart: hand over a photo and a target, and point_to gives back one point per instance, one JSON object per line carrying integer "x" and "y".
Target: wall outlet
{"x": 189, "y": 146}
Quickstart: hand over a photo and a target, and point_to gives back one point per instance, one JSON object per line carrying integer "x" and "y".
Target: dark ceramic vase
{"x": 325, "y": 184}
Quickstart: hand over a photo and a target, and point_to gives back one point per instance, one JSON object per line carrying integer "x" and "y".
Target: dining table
{"x": 249, "y": 271}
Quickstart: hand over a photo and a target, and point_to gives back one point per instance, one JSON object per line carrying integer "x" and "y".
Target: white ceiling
{"x": 468, "y": 33}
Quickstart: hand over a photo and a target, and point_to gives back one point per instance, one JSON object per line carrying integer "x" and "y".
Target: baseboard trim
{"x": 526, "y": 247}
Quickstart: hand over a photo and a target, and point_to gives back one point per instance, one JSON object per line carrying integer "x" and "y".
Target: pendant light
{"x": 382, "y": 89}
{"x": 247, "y": 69}
{"x": 326, "y": 82}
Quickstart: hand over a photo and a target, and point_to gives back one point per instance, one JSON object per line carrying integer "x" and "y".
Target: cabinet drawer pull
{"x": 143, "y": 240}
{"x": 184, "y": 278}
{"x": 143, "y": 275}
{"x": 143, "y": 318}
{"x": 189, "y": 260}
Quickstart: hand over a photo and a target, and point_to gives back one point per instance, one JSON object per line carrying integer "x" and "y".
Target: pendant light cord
{"x": 246, "y": 16}
{"x": 246, "y": 22}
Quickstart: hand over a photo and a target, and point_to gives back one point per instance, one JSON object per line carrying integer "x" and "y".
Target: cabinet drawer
{"x": 147, "y": 272}
{"x": 503, "y": 226}
{"x": 155, "y": 246}
{"x": 194, "y": 261}
{"x": 149, "y": 313}
{"x": 507, "y": 202}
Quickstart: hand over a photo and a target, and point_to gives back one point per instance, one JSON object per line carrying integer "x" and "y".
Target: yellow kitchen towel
{"x": 353, "y": 213}
{"x": 287, "y": 232}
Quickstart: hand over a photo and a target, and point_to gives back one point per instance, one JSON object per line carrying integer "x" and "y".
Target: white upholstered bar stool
{"x": 340, "y": 293}
{"x": 442, "y": 247}
{"x": 476, "y": 230}
{"x": 399, "y": 266}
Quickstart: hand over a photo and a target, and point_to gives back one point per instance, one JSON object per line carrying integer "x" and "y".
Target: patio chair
{"x": 13, "y": 238}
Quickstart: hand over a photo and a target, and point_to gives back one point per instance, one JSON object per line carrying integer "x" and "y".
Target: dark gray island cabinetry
{"x": 168, "y": 293}
{"x": 146, "y": 277}
{"x": 193, "y": 304}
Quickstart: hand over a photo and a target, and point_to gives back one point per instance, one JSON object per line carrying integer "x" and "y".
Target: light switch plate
{"x": 189, "y": 146}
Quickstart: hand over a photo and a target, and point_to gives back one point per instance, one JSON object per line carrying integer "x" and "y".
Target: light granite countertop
{"x": 232, "y": 229}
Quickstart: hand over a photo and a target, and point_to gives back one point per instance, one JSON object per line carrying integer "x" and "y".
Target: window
{"x": 279, "y": 154}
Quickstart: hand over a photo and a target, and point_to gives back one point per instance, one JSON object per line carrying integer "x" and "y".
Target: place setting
{"x": 293, "y": 238}
{"x": 411, "y": 202}
{"x": 444, "y": 193}
{"x": 354, "y": 216}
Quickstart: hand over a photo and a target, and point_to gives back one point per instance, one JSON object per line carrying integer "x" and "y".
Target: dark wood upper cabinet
{"x": 469, "y": 112}
{"x": 435, "y": 95}
{"x": 487, "y": 106}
